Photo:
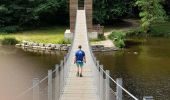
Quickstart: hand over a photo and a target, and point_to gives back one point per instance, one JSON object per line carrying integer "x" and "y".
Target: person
{"x": 80, "y": 59}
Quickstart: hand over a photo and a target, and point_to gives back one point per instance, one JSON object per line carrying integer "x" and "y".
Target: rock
{"x": 18, "y": 45}
{"x": 41, "y": 44}
{"x": 57, "y": 46}
{"x": 135, "y": 53}
{"x": 48, "y": 45}
{"x": 53, "y": 46}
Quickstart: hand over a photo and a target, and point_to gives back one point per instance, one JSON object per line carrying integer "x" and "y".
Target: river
{"x": 145, "y": 68}
{"x": 18, "y": 68}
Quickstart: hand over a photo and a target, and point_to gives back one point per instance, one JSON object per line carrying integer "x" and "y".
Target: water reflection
{"x": 18, "y": 68}
{"x": 145, "y": 68}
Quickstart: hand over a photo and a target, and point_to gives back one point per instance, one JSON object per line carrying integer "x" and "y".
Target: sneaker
{"x": 77, "y": 74}
{"x": 81, "y": 75}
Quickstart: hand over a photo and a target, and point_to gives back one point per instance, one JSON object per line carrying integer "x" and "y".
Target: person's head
{"x": 79, "y": 46}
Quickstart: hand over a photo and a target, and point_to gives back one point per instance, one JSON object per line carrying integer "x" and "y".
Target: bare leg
{"x": 77, "y": 70}
{"x": 81, "y": 71}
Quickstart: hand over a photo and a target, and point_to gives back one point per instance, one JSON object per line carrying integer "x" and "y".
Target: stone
{"x": 18, "y": 45}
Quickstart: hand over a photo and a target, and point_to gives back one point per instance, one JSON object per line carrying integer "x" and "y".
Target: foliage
{"x": 10, "y": 29}
{"x": 151, "y": 11}
{"x": 118, "y": 38}
{"x": 101, "y": 37}
{"x": 31, "y": 12}
{"x": 35, "y": 13}
{"x": 107, "y": 10}
{"x": 9, "y": 41}
{"x": 138, "y": 32}
{"x": 156, "y": 30}
{"x": 160, "y": 30}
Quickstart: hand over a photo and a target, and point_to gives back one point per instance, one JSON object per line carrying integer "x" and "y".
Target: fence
{"x": 99, "y": 29}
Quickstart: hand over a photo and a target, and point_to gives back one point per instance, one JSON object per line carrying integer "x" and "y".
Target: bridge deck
{"x": 80, "y": 88}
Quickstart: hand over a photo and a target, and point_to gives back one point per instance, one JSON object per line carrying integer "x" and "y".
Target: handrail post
{"x": 50, "y": 85}
{"x": 61, "y": 76}
{"x": 36, "y": 89}
{"x": 98, "y": 77}
{"x": 118, "y": 89}
{"x": 107, "y": 82}
{"x": 57, "y": 83}
{"x": 101, "y": 82}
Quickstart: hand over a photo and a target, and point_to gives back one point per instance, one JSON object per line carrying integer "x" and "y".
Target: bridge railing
{"x": 51, "y": 86}
{"x": 107, "y": 87}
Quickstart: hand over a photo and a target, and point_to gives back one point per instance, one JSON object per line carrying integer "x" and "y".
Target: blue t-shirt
{"x": 79, "y": 55}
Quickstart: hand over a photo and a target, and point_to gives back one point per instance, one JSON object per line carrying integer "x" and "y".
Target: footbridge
{"x": 63, "y": 84}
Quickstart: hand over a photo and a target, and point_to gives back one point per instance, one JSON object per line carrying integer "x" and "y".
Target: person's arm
{"x": 84, "y": 58}
{"x": 74, "y": 59}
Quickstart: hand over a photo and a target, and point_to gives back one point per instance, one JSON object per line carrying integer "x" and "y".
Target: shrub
{"x": 118, "y": 38}
{"x": 10, "y": 29}
{"x": 101, "y": 37}
{"x": 135, "y": 32}
{"x": 160, "y": 30}
{"x": 9, "y": 41}
{"x": 64, "y": 41}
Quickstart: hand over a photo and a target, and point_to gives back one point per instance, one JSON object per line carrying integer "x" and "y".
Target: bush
{"x": 101, "y": 37}
{"x": 10, "y": 29}
{"x": 118, "y": 38}
{"x": 135, "y": 33}
{"x": 160, "y": 30}
{"x": 9, "y": 41}
{"x": 64, "y": 41}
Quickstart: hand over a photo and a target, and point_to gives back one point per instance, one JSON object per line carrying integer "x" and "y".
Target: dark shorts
{"x": 79, "y": 63}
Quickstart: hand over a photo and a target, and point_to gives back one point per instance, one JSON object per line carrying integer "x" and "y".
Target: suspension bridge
{"x": 61, "y": 83}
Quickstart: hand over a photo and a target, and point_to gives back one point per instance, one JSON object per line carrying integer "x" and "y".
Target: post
{"x": 50, "y": 85}
{"x": 36, "y": 89}
{"x": 101, "y": 82}
{"x": 148, "y": 98}
{"x": 61, "y": 76}
{"x": 97, "y": 63}
{"x": 57, "y": 83}
{"x": 98, "y": 77}
{"x": 118, "y": 89}
{"x": 107, "y": 82}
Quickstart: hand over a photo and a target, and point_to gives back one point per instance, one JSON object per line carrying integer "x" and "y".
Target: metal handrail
{"x": 135, "y": 98}
{"x": 119, "y": 85}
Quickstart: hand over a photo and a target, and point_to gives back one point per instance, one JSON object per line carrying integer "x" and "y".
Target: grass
{"x": 9, "y": 41}
{"x": 42, "y": 35}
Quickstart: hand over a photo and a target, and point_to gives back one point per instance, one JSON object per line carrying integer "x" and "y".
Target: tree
{"x": 151, "y": 11}
{"x": 107, "y": 10}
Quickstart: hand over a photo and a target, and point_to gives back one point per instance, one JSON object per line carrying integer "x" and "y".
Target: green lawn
{"x": 43, "y": 35}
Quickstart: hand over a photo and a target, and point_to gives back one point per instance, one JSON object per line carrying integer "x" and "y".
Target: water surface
{"x": 18, "y": 68}
{"x": 145, "y": 68}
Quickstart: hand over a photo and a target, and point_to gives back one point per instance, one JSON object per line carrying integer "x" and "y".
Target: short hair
{"x": 79, "y": 46}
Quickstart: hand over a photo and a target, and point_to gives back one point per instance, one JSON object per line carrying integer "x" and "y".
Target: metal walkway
{"x": 80, "y": 88}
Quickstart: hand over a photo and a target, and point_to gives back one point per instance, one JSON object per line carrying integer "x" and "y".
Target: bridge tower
{"x": 81, "y": 4}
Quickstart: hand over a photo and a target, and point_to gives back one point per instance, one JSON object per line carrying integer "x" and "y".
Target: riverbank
{"x": 36, "y": 47}
{"x": 119, "y": 34}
